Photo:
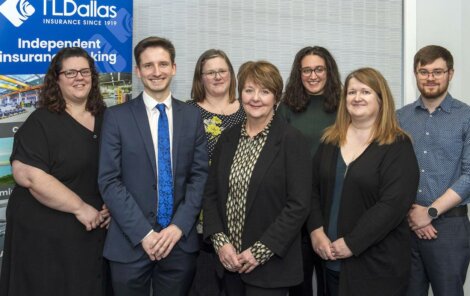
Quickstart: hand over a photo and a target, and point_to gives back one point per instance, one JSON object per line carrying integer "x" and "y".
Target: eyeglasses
{"x": 307, "y": 71}
{"x": 437, "y": 73}
{"x": 213, "y": 74}
{"x": 73, "y": 73}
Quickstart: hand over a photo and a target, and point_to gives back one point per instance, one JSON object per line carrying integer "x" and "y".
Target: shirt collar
{"x": 150, "y": 103}
{"x": 446, "y": 104}
{"x": 263, "y": 133}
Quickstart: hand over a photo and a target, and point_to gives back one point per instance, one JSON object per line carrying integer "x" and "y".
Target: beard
{"x": 436, "y": 92}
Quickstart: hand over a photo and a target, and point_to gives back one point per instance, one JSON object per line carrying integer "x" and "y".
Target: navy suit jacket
{"x": 128, "y": 177}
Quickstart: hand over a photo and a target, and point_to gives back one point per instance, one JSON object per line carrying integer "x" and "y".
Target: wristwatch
{"x": 432, "y": 212}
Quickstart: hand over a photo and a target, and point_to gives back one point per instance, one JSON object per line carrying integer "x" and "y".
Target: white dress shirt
{"x": 153, "y": 114}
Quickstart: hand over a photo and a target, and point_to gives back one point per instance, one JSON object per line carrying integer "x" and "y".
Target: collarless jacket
{"x": 277, "y": 201}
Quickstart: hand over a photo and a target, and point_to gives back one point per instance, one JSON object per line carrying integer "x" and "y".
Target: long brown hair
{"x": 386, "y": 129}
{"x": 51, "y": 96}
{"x": 198, "y": 92}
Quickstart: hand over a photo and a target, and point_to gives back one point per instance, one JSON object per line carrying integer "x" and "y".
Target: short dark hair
{"x": 154, "y": 41}
{"x": 430, "y": 53}
{"x": 296, "y": 96}
{"x": 262, "y": 73}
{"x": 51, "y": 96}
{"x": 198, "y": 92}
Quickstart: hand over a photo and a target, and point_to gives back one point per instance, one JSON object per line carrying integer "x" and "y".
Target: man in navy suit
{"x": 142, "y": 250}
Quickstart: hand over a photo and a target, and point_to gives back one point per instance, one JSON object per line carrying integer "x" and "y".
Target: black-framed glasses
{"x": 436, "y": 73}
{"x": 73, "y": 73}
{"x": 307, "y": 71}
{"x": 213, "y": 74}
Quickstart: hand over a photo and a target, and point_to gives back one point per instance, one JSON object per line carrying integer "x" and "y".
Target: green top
{"x": 310, "y": 122}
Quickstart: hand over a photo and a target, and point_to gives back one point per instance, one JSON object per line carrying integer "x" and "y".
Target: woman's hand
{"x": 321, "y": 244}
{"x": 228, "y": 258}
{"x": 340, "y": 250}
{"x": 88, "y": 216}
{"x": 247, "y": 261}
{"x": 105, "y": 217}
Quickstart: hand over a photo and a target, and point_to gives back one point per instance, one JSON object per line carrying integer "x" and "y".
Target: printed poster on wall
{"x": 31, "y": 33}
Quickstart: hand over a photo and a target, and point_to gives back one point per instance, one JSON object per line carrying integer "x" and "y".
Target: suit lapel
{"x": 228, "y": 148}
{"x": 266, "y": 157}
{"x": 141, "y": 119}
{"x": 177, "y": 131}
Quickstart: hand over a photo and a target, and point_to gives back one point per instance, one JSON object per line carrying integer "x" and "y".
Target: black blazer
{"x": 278, "y": 201}
{"x": 378, "y": 190}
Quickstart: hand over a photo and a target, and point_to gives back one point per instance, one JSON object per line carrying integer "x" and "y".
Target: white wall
{"x": 445, "y": 23}
{"x": 439, "y": 22}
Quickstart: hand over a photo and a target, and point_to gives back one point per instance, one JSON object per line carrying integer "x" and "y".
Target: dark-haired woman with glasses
{"x": 213, "y": 93}
{"x": 56, "y": 218}
{"x": 309, "y": 103}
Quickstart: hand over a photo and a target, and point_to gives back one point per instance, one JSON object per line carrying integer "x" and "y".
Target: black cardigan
{"x": 379, "y": 189}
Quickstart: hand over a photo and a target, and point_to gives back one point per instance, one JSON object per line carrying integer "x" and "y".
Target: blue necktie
{"x": 165, "y": 180}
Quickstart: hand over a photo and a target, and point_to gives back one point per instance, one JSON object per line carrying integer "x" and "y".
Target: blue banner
{"x": 31, "y": 34}
{"x": 33, "y": 31}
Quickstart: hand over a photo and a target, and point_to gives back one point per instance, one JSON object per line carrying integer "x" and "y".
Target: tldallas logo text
{"x": 71, "y": 8}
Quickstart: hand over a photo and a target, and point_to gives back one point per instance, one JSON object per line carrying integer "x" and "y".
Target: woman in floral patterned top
{"x": 213, "y": 93}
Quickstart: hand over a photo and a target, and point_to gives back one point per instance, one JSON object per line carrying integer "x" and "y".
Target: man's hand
{"x": 426, "y": 232}
{"x": 229, "y": 258}
{"x": 418, "y": 217}
{"x": 167, "y": 239}
{"x": 247, "y": 261}
{"x": 340, "y": 250}
{"x": 149, "y": 242}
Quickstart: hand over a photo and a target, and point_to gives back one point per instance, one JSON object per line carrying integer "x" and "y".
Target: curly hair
{"x": 51, "y": 96}
{"x": 296, "y": 96}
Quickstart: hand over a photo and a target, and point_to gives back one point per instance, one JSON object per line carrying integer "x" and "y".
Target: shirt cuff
{"x": 219, "y": 240}
{"x": 261, "y": 253}
{"x": 147, "y": 235}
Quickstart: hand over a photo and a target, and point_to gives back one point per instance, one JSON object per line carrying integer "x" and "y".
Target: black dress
{"x": 48, "y": 252}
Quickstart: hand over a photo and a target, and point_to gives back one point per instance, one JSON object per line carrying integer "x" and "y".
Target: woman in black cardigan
{"x": 365, "y": 178}
{"x": 258, "y": 192}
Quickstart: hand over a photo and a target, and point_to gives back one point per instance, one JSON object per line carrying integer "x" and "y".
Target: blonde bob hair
{"x": 386, "y": 129}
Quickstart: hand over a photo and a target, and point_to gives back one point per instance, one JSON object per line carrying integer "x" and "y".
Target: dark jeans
{"x": 332, "y": 282}
{"x": 442, "y": 262}
{"x": 311, "y": 261}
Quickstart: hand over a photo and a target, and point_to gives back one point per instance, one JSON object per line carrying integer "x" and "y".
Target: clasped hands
{"x": 326, "y": 249}
{"x": 420, "y": 222}
{"x": 244, "y": 262}
{"x": 92, "y": 218}
{"x": 158, "y": 245}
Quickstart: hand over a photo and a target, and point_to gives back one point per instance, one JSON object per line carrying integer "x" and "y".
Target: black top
{"x": 48, "y": 252}
{"x": 215, "y": 124}
{"x": 332, "y": 231}
{"x": 378, "y": 190}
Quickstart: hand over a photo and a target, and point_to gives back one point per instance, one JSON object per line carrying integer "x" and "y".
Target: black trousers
{"x": 234, "y": 286}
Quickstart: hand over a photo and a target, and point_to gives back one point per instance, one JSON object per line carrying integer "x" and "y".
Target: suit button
{"x": 154, "y": 187}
